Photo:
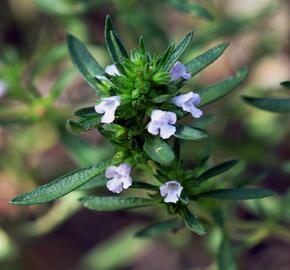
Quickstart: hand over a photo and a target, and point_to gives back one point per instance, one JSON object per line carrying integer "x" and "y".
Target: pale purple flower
{"x": 119, "y": 177}
{"x": 188, "y": 102}
{"x": 111, "y": 70}
{"x": 162, "y": 122}
{"x": 171, "y": 191}
{"x": 108, "y": 107}
{"x": 179, "y": 71}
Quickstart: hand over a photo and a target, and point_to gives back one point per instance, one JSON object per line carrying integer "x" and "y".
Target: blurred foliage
{"x": 35, "y": 146}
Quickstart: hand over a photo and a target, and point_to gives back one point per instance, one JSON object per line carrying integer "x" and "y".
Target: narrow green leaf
{"x": 216, "y": 170}
{"x": 86, "y": 112}
{"x": 225, "y": 255}
{"x": 61, "y": 186}
{"x": 116, "y": 203}
{"x": 202, "y": 61}
{"x": 178, "y": 51}
{"x": 85, "y": 123}
{"x": 190, "y": 133}
{"x": 220, "y": 89}
{"x": 84, "y": 61}
{"x": 99, "y": 181}
{"x": 189, "y": 8}
{"x": 277, "y": 105}
{"x": 114, "y": 44}
{"x": 166, "y": 55}
{"x": 160, "y": 228}
{"x": 142, "y": 185}
{"x": 158, "y": 150}
{"x": 192, "y": 222}
{"x": 285, "y": 84}
{"x": 237, "y": 193}
{"x": 64, "y": 79}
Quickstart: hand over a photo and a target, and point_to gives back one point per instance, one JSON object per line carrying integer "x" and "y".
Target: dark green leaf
{"x": 192, "y": 222}
{"x": 216, "y": 170}
{"x": 60, "y": 186}
{"x": 115, "y": 203}
{"x": 184, "y": 6}
{"x": 160, "y": 228}
{"x": 277, "y": 105}
{"x": 220, "y": 89}
{"x": 158, "y": 150}
{"x": 190, "y": 133}
{"x": 285, "y": 84}
{"x": 84, "y": 61}
{"x": 99, "y": 181}
{"x": 225, "y": 255}
{"x": 178, "y": 51}
{"x": 142, "y": 185}
{"x": 237, "y": 193}
{"x": 202, "y": 61}
{"x": 115, "y": 46}
{"x": 86, "y": 112}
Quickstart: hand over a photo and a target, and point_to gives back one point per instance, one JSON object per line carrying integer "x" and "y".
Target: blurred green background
{"x": 40, "y": 89}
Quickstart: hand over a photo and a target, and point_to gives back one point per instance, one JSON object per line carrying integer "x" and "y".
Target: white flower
{"x": 187, "y": 102}
{"x": 108, "y": 107}
{"x": 171, "y": 191}
{"x": 179, "y": 71}
{"x": 120, "y": 177}
{"x": 111, "y": 70}
{"x": 3, "y": 88}
{"x": 162, "y": 121}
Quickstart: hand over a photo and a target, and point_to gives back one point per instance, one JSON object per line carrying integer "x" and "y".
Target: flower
{"x": 120, "y": 177}
{"x": 187, "y": 102}
{"x": 111, "y": 70}
{"x": 162, "y": 121}
{"x": 108, "y": 106}
{"x": 179, "y": 71}
{"x": 171, "y": 191}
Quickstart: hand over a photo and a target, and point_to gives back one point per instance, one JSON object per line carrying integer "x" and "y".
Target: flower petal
{"x": 167, "y": 131}
{"x": 115, "y": 185}
{"x": 111, "y": 172}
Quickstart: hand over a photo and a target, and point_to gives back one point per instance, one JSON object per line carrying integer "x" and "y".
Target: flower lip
{"x": 171, "y": 191}
{"x": 162, "y": 122}
{"x": 179, "y": 71}
{"x": 119, "y": 177}
{"x": 188, "y": 103}
{"x": 108, "y": 107}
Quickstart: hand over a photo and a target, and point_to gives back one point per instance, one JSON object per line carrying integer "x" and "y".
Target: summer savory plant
{"x": 139, "y": 107}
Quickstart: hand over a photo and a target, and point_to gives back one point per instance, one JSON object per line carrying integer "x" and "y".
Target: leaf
{"x": 216, "y": 170}
{"x": 64, "y": 79}
{"x": 114, "y": 203}
{"x": 85, "y": 123}
{"x": 84, "y": 61}
{"x": 178, "y": 51}
{"x": 196, "y": 9}
{"x": 220, "y": 89}
{"x": 225, "y": 255}
{"x": 285, "y": 84}
{"x": 202, "y": 61}
{"x": 114, "y": 44}
{"x": 237, "y": 193}
{"x": 86, "y": 112}
{"x": 66, "y": 8}
{"x": 158, "y": 150}
{"x": 160, "y": 228}
{"x": 99, "y": 181}
{"x": 277, "y": 105}
{"x": 61, "y": 186}
{"x": 192, "y": 222}
{"x": 190, "y": 133}
{"x": 142, "y": 185}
